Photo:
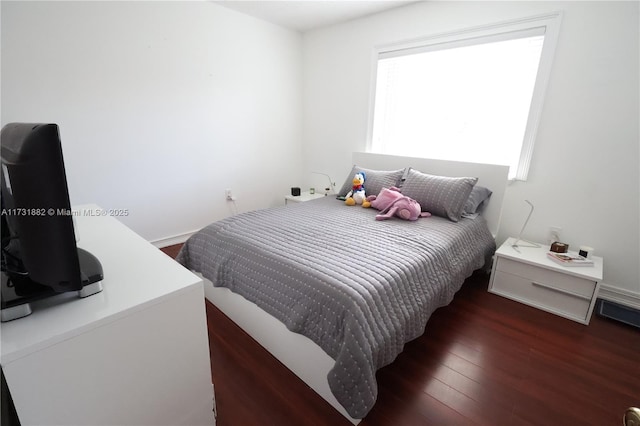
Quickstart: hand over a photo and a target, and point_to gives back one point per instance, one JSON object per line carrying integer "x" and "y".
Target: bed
{"x": 335, "y": 294}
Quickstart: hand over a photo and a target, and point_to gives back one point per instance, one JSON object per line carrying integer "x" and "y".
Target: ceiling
{"x": 305, "y": 15}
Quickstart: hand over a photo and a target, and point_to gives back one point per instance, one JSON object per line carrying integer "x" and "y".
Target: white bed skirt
{"x": 298, "y": 353}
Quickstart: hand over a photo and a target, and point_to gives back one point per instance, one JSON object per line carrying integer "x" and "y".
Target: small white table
{"x": 135, "y": 353}
{"x": 529, "y": 276}
{"x": 304, "y": 196}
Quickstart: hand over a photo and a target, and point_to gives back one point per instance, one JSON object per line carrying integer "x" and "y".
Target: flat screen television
{"x": 39, "y": 253}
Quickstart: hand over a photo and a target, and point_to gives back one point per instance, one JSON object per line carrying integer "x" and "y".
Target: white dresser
{"x": 135, "y": 354}
{"x": 529, "y": 276}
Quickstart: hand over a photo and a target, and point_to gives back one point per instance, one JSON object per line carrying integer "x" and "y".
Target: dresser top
{"x": 136, "y": 275}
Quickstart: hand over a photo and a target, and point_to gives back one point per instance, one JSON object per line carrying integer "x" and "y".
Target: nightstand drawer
{"x": 542, "y": 295}
{"x": 563, "y": 283}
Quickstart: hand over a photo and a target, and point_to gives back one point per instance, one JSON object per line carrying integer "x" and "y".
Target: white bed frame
{"x": 303, "y": 357}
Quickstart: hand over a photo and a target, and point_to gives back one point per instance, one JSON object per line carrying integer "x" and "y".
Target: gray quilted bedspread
{"x": 359, "y": 288}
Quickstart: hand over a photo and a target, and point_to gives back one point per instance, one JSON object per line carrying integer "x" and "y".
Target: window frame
{"x": 438, "y": 41}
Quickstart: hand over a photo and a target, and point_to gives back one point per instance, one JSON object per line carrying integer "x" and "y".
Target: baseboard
{"x": 170, "y": 241}
{"x": 619, "y": 295}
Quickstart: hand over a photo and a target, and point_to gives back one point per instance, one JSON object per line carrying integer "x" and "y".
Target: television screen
{"x": 39, "y": 252}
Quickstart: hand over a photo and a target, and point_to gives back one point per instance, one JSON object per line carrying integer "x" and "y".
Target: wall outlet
{"x": 554, "y": 234}
{"x": 229, "y": 195}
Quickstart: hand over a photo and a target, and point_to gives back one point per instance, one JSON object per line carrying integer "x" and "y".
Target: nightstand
{"x": 304, "y": 196}
{"x": 530, "y": 277}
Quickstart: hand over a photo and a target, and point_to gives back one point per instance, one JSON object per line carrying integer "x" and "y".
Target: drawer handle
{"x": 561, "y": 290}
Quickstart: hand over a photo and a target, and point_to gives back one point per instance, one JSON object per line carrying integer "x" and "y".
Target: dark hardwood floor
{"x": 482, "y": 360}
{"x": 172, "y": 250}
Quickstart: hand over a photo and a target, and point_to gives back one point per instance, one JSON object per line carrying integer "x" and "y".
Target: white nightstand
{"x": 530, "y": 277}
{"x": 304, "y": 196}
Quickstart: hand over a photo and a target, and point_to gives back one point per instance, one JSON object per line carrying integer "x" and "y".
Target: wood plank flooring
{"x": 482, "y": 360}
{"x": 172, "y": 250}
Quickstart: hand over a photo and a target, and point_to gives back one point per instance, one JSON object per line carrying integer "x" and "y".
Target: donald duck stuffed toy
{"x": 357, "y": 194}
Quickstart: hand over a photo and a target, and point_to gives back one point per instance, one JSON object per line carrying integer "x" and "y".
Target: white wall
{"x": 161, "y": 105}
{"x": 585, "y": 171}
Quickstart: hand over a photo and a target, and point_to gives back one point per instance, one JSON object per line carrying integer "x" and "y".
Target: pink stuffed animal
{"x": 391, "y": 202}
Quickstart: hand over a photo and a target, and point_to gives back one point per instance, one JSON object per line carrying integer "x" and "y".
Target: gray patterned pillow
{"x": 375, "y": 180}
{"x": 477, "y": 200}
{"x": 439, "y": 195}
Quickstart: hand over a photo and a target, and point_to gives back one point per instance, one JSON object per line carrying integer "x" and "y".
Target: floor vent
{"x": 618, "y": 312}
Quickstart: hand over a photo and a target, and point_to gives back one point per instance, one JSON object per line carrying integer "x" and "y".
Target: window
{"x": 475, "y": 95}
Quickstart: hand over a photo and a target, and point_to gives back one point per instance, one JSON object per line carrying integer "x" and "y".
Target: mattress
{"x": 359, "y": 288}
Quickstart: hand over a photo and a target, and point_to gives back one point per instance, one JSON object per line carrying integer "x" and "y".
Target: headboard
{"x": 491, "y": 176}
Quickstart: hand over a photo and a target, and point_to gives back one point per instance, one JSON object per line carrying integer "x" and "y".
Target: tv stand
{"x": 17, "y": 304}
{"x": 136, "y": 353}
